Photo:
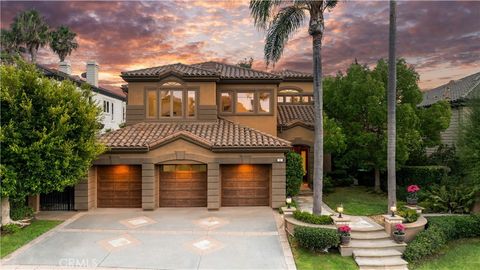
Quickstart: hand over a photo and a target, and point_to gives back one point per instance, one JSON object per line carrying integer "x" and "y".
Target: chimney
{"x": 65, "y": 67}
{"x": 92, "y": 73}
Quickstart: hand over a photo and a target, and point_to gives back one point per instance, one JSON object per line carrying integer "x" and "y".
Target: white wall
{"x": 111, "y": 120}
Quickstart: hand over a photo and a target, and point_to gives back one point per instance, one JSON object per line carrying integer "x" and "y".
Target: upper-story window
{"x": 294, "y": 96}
{"x": 171, "y": 103}
{"x": 106, "y": 106}
{"x": 245, "y": 102}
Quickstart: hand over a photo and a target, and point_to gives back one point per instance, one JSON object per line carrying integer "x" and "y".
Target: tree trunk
{"x": 377, "y": 180}
{"x": 318, "y": 107}
{"x": 33, "y": 55}
{"x": 392, "y": 102}
{"x": 6, "y": 211}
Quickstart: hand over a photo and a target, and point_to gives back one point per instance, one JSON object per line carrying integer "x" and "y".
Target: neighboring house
{"x": 457, "y": 93}
{"x": 112, "y": 103}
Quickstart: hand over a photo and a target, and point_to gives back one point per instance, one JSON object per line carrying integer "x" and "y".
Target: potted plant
{"x": 412, "y": 197}
{"x": 399, "y": 233}
{"x": 345, "y": 234}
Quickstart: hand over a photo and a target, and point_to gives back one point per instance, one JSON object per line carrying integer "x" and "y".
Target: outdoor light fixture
{"x": 289, "y": 202}
{"x": 393, "y": 209}
{"x": 340, "y": 210}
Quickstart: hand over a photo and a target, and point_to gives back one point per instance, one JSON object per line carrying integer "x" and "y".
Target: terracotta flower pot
{"x": 345, "y": 239}
{"x": 399, "y": 238}
{"x": 412, "y": 201}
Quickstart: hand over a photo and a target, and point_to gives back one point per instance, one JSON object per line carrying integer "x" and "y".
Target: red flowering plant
{"x": 344, "y": 230}
{"x": 412, "y": 192}
{"x": 399, "y": 229}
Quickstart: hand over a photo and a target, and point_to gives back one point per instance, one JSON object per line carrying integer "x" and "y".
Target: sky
{"x": 441, "y": 39}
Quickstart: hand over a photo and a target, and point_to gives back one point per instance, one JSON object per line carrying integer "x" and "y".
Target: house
{"x": 112, "y": 102}
{"x": 203, "y": 135}
{"x": 457, "y": 93}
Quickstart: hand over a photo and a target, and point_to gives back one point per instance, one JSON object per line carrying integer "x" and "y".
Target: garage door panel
{"x": 183, "y": 186}
{"x": 119, "y": 186}
{"x": 245, "y": 185}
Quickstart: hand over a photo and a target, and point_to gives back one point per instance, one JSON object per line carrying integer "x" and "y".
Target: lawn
{"x": 11, "y": 242}
{"x": 463, "y": 254}
{"x": 306, "y": 260}
{"x": 359, "y": 201}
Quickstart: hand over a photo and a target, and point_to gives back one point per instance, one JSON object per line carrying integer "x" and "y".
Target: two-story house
{"x": 206, "y": 135}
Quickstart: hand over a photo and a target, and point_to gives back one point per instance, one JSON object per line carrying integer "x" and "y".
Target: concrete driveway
{"x": 168, "y": 238}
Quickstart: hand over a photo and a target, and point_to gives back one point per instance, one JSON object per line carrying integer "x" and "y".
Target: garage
{"x": 245, "y": 185}
{"x": 119, "y": 186}
{"x": 183, "y": 185}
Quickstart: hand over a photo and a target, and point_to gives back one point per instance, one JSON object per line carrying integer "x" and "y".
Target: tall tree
{"x": 469, "y": 141}
{"x": 7, "y": 41}
{"x": 392, "y": 103}
{"x": 62, "y": 42}
{"x": 246, "y": 63}
{"x": 32, "y": 31}
{"x": 281, "y": 19}
{"x": 48, "y": 134}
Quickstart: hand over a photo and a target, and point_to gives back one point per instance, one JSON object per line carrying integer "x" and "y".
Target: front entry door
{"x": 303, "y": 150}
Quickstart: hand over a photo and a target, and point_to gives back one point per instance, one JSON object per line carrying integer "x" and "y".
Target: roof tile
{"x": 289, "y": 115}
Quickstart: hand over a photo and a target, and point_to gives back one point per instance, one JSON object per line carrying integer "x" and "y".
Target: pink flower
{"x": 344, "y": 229}
{"x": 412, "y": 188}
{"x": 400, "y": 227}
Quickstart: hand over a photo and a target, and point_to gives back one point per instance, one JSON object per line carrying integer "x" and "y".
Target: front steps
{"x": 373, "y": 249}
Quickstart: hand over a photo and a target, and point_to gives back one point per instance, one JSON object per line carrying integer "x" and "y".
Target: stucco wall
{"x": 306, "y": 87}
{"x": 111, "y": 120}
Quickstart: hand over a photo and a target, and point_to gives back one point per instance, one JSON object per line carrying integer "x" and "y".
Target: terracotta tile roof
{"x": 457, "y": 90}
{"x": 291, "y": 115}
{"x": 218, "y": 135}
{"x": 57, "y": 74}
{"x": 182, "y": 69}
{"x": 292, "y": 74}
{"x": 227, "y": 71}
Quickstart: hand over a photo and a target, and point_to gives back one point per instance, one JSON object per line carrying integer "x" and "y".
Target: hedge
{"x": 440, "y": 230}
{"x": 311, "y": 218}
{"x": 294, "y": 173}
{"x": 316, "y": 238}
{"x": 422, "y": 176}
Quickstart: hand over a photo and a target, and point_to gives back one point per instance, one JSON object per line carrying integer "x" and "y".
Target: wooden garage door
{"x": 245, "y": 185}
{"x": 183, "y": 186}
{"x": 119, "y": 186}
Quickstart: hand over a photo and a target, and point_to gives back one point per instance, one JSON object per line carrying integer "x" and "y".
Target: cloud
{"x": 433, "y": 36}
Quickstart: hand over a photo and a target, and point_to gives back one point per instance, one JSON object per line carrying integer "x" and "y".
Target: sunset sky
{"x": 441, "y": 39}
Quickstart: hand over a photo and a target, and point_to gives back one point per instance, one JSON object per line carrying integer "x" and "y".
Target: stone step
{"x": 373, "y": 235}
{"x": 367, "y": 229}
{"x": 347, "y": 250}
{"x": 376, "y": 253}
{"x": 384, "y": 263}
{"x": 398, "y": 267}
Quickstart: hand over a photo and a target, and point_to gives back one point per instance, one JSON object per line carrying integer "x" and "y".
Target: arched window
{"x": 171, "y": 84}
{"x": 288, "y": 91}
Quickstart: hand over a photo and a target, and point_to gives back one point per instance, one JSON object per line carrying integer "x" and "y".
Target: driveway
{"x": 167, "y": 238}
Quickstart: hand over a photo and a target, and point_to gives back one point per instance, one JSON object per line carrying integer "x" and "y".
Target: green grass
{"x": 307, "y": 260}
{"x": 358, "y": 201}
{"x": 463, "y": 254}
{"x": 11, "y": 242}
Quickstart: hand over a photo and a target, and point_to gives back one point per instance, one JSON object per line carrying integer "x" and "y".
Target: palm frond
{"x": 285, "y": 23}
{"x": 262, "y": 10}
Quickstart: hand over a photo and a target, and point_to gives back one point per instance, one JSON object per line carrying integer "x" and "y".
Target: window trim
{"x": 256, "y": 103}
{"x": 184, "y": 90}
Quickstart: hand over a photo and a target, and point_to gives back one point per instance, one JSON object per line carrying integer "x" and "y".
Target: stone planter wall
{"x": 291, "y": 223}
{"x": 412, "y": 229}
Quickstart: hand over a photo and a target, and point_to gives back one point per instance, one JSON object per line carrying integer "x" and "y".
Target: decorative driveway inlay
{"x": 137, "y": 222}
{"x": 119, "y": 242}
{"x": 204, "y": 245}
{"x": 211, "y": 223}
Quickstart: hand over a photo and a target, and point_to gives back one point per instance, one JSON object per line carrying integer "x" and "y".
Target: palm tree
{"x": 31, "y": 30}
{"x": 62, "y": 42}
{"x": 392, "y": 102}
{"x": 281, "y": 19}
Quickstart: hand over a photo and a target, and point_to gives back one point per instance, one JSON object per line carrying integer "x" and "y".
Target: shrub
{"x": 409, "y": 215}
{"x": 312, "y": 219}
{"x": 340, "y": 178}
{"x": 327, "y": 184}
{"x": 316, "y": 238}
{"x": 19, "y": 209}
{"x": 10, "y": 228}
{"x": 294, "y": 173}
{"x": 454, "y": 199}
{"x": 422, "y": 176}
{"x": 441, "y": 230}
